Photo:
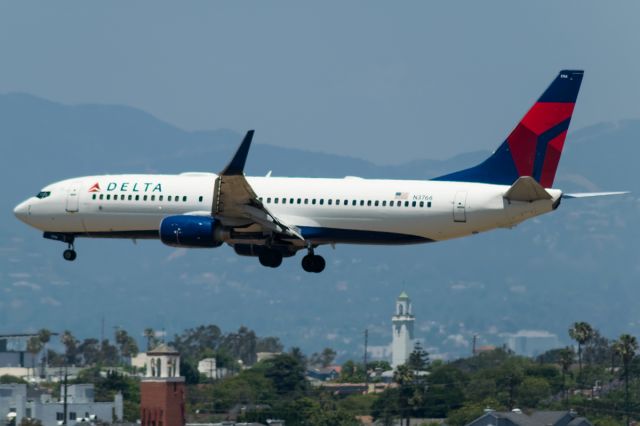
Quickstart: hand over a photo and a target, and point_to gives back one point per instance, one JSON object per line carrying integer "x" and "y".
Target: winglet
{"x": 236, "y": 165}
{"x": 526, "y": 189}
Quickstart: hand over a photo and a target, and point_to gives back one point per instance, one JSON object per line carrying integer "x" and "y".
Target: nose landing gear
{"x": 70, "y": 254}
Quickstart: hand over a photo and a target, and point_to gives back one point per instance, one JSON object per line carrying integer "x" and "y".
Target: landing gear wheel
{"x": 69, "y": 254}
{"x": 270, "y": 258}
{"x": 307, "y": 263}
{"x": 313, "y": 263}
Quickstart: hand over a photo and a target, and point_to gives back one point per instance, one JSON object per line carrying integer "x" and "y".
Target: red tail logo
{"x": 95, "y": 187}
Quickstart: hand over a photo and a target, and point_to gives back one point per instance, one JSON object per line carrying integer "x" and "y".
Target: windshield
{"x": 43, "y": 194}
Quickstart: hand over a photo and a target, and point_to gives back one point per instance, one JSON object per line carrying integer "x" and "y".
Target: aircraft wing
{"x": 235, "y": 202}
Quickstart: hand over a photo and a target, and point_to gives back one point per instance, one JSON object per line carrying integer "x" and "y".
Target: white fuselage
{"x": 349, "y": 210}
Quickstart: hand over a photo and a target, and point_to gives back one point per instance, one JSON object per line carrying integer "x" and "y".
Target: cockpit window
{"x": 43, "y": 194}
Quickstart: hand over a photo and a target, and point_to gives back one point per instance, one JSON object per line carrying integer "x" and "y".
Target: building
{"x": 16, "y": 403}
{"x": 402, "y": 329}
{"x": 208, "y": 368}
{"x": 538, "y": 418}
{"x": 162, "y": 390}
{"x": 532, "y": 342}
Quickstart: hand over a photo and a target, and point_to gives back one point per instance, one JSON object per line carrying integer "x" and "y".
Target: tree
{"x": 44, "y": 336}
{"x": 269, "y": 344}
{"x": 71, "y": 347}
{"x": 581, "y": 332}
{"x": 626, "y": 347}
{"x": 323, "y": 359}
{"x": 566, "y": 358}
{"x": 126, "y": 344}
{"x": 418, "y": 359}
{"x": 34, "y": 346}
{"x": 152, "y": 340}
{"x": 287, "y": 374}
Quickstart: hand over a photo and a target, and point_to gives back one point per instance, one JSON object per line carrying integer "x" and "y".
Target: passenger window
{"x": 122, "y": 197}
{"x": 329, "y": 201}
{"x": 168, "y": 198}
{"x": 153, "y": 198}
{"x": 200, "y": 198}
{"x": 284, "y": 200}
{"x": 184, "y": 198}
{"x": 108, "y": 196}
{"x": 313, "y": 201}
{"x": 176, "y": 198}
{"x": 428, "y": 203}
{"x": 413, "y": 204}
{"x": 94, "y": 196}
{"x": 421, "y": 203}
{"x": 384, "y": 203}
{"x": 353, "y": 203}
{"x": 101, "y": 196}
{"x": 321, "y": 201}
{"x": 306, "y": 201}
{"x": 406, "y": 204}
{"x": 144, "y": 198}
{"x": 369, "y": 203}
{"x": 160, "y": 197}
{"x": 130, "y": 197}
{"x": 137, "y": 198}
{"x": 259, "y": 199}
{"x": 391, "y": 203}
{"x": 376, "y": 203}
{"x": 275, "y": 200}
{"x": 268, "y": 200}
{"x": 337, "y": 202}
{"x": 291, "y": 201}
{"x": 299, "y": 200}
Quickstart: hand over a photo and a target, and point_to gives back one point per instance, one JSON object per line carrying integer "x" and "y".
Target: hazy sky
{"x": 386, "y": 81}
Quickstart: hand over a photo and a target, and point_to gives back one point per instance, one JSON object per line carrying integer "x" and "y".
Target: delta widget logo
{"x": 95, "y": 187}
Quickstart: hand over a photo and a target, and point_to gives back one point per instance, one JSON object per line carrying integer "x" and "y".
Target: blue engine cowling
{"x": 189, "y": 231}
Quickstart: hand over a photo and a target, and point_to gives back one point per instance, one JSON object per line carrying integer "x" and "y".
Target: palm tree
{"x": 626, "y": 348}
{"x": 34, "y": 346}
{"x": 581, "y": 332}
{"x": 150, "y": 335}
{"x": 567, "y": 357}
{"x": 71, "y": 347}
{"x": 44, "y": 336}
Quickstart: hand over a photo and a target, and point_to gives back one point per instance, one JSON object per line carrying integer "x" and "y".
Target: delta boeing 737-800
{"x": 275, "y": 217}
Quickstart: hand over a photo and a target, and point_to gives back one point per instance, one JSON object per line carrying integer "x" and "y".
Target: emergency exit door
{"x": 460, "y": 207}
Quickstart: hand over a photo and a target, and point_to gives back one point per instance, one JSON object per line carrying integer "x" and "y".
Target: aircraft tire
{"x": 307, "y": 263}
{"x": 270, "y": 258}
{"x": 318, "y": 264}
{"x": 69, "y": 255}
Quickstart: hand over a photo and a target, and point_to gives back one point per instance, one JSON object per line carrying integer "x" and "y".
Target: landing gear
{"x": 70, "y": 253}
{"x": 313, "y": 263}
{"x": 270, "y": 258}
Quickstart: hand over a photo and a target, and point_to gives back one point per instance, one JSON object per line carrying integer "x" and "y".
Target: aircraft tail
{"x": 534, "y": 147}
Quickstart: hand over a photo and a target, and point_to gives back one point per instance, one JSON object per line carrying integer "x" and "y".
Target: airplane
{"x": 272, "y": 218}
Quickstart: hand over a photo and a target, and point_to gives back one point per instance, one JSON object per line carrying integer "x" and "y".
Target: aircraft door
{"x": 459, "y": 207}
{"x": 73, "y": 195}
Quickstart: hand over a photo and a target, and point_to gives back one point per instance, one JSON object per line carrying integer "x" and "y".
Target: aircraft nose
{"x": 22, "y": 211}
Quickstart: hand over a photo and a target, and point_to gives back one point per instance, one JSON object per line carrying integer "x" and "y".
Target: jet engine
{"x": 190, "y": 231}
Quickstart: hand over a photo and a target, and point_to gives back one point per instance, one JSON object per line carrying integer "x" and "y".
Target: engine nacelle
{"x": 190, "y": 231}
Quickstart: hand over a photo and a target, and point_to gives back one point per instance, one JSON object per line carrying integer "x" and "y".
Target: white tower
{"x": 403, "y": 320}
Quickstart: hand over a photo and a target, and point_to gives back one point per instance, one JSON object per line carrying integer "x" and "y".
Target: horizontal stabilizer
{"x": 593, "y": 194}
{"x": 526, "y": 188}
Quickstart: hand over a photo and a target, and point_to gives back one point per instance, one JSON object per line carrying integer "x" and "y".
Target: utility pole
{"x": 366, "y": 371}
{"x": 475, "y": 337}
{"x": 64, "y": 400}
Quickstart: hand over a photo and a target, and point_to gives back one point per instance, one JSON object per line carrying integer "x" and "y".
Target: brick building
{"x": 162, "y": 390}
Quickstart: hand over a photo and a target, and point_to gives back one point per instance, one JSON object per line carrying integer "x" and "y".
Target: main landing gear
{"x": 313, "y": 262}
{"x": 270, "y": 258}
